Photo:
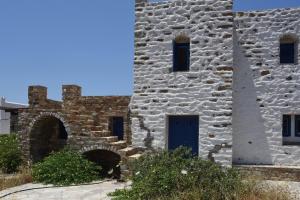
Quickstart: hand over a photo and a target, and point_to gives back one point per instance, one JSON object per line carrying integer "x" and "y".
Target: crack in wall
{"x": 149, "y": 138}
{"x": 217, "y": 148}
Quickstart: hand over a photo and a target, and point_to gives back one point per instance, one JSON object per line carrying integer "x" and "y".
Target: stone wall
{"x": 267, "y": 172}
{"x": 82, "y": 116}
{"x": 206, "y": 90}
{"x": 91, "y": 115}
{"x": 264, "y": 90}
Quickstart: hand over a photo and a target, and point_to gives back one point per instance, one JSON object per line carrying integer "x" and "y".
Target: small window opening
{"x": 117, "y": 127}
{"x": 288, "y": 50}
{"x": 181, "y": 54}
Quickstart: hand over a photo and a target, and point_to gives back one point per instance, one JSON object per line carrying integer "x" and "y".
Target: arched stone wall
{"x": 107, "y": 157}
{"x": 49, "y": 114}
{"x": 47, "y": 133}
{"x": 99, "y": 147}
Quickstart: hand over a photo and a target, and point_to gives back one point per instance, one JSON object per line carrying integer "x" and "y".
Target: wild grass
{"x": 257, "y": 190}
{"x": 13, "y": 180}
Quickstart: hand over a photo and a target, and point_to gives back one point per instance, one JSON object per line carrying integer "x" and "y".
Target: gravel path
{"x": 97, "y": 191}
{"x": 293, "y": 187}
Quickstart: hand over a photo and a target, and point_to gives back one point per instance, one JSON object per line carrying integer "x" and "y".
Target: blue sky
{"x": 90, "y": 43}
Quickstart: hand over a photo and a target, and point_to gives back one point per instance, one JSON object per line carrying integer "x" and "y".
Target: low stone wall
{"x": 275, "y": 173}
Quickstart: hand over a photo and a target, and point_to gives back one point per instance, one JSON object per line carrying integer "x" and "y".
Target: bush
{"x": 10, "y": 153}
{"x": 65, "y": 168}
{"x": 180, "y": 175}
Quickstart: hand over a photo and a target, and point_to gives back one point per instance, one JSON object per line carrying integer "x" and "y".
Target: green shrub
{"x": 10, "y": 153}
{"x": 179, "y": 175}
{"x": 65, "y": 168}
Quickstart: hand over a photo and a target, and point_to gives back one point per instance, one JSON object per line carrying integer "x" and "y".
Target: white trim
{"x": 11, "y": 105}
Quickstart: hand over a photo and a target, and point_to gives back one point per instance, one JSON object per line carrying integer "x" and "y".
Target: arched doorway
{"x": 47, "y": 135}
{"x": 108, "y": 160}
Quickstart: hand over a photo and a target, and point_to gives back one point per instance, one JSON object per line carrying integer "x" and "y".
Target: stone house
{"x": 224, "y": 83}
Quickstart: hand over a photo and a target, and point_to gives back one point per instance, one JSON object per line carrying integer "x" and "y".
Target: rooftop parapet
{"x": 37, "y": 94}
{"x": 140, "y": 3}
{"x": 71, "y": 92}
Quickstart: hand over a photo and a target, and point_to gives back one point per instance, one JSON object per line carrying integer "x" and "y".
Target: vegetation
{"x": 20, "y": 178}
{"x": 254, "y": 190}
{"x": 65, "y": 168}
{"x": 167, "y": 175}
{"x": 179, "y": 175}
{"x": 10, "y": 154}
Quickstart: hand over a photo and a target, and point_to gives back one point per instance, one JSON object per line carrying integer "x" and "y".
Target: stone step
{"x": 97, "y": 133}
{"x": 119, "y": 144}
{"x": 96, "y": 128}
{"x": 110, "y": 139}
{"x": 134, "y": 157}
{"x": 128, "y": 151}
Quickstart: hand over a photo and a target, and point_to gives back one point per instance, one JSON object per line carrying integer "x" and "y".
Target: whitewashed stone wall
{"x": 5, "y": 117}
{"x": 206, "y": 90}
{"x": 4, "y": 122}
{"x": 264, "y": 90}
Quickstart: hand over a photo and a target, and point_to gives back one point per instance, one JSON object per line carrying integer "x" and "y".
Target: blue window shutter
{"x": 118, "y": 127}
{"x": 286, "y": 126}
{"x": 287, "y": 53}
{"x": 297, "y": 125}
{"x": 181, "y": 56}
{"x": 188, "y": 56}
{"x": 175, "y": 61}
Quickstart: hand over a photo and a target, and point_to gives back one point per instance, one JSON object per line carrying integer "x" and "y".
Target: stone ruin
{"x": 85, "y": 123}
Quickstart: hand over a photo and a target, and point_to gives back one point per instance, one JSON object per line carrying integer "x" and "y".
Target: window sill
{"x": 288, "y": 63}
{"x": 291, "y": 143}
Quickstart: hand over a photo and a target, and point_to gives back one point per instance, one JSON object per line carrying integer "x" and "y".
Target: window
{"x": 181, "y": 54}
{"x": 288, "y": 50}
{"x": 117, "y": 127}
{"x": 291, "y": 129}
{"x": 286, "y": 126}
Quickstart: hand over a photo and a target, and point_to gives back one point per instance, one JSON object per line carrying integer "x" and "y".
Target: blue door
{"x": 184, "y": 131}
{"x": 118, "y": 127}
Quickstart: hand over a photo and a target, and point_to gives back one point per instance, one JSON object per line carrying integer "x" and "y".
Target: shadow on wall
{"x": 108, "y": 160}
{"x": 48, "y": 135}
{"x": 250, "y": 143}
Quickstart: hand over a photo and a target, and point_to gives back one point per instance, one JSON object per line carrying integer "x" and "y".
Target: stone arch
{"x": 288, "y": 37}
{"x": 99, "y": 147}
{"x": 48, "y": 132}
{"x": 182, "y": 38}
{"x": 105, "y": 156}
{"x": 49, "y": 114}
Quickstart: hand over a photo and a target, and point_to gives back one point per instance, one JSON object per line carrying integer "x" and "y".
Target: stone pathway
{"x": 97, "y": 191}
